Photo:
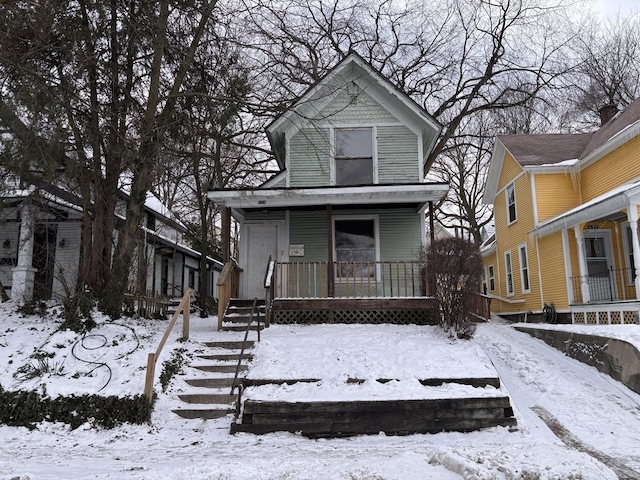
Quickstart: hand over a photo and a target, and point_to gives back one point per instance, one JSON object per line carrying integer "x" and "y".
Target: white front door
{"x": 262, "y": 243}
{"x": 599, "y": 257}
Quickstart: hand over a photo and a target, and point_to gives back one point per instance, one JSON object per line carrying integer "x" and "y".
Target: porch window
{"x": 492, "y": 279}
{"x": 354, "y": 156}
{"x": 524, "y": 268}
{"x": 355, "y": 248}
{"x": 507, "y": 266}
{"x": 511, "y": 203}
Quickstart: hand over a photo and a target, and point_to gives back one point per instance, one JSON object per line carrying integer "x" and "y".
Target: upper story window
{"x": 151, "y": 222}
{"x": 524, "y": 268}
{"x": 354, "y": 156}
{"x": 511, "y": 203}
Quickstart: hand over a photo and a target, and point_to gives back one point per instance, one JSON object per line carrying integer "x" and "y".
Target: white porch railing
{"x": 401, "y": 278}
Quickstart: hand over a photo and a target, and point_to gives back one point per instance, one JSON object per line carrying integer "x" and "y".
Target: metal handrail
{"x": 244, "y": 343}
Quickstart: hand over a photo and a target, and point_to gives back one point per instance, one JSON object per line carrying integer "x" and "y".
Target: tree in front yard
{"x": 455, "y": 265}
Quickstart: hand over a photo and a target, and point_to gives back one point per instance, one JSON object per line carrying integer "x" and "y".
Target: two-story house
{"x": 344, "y": 220}
{"x": 566, "y": 223}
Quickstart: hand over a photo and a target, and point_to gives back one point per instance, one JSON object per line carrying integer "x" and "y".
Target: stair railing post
{"x": 148, "y": 384}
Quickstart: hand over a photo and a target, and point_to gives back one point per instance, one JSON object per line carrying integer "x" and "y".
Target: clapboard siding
{"x": 555, "y": 194}
{"x": 618, "y": 167}
{"x": 398, "y": 159}
{"x": 67, "y": 259}
{"x": 310, "y": 158}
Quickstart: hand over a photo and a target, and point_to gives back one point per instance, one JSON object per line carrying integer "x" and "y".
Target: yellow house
{"x": 566, "y": 223}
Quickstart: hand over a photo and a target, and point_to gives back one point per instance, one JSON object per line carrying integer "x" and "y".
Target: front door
{"x": 600, "y": 270}
{"x": 262, "y": 243}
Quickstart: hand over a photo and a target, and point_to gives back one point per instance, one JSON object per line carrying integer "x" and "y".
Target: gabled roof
{"x": 352, "y": 68}
{"x": 568, "y": 151}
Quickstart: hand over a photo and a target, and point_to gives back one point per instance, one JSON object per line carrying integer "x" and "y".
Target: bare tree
{"x": 89, "y": 90}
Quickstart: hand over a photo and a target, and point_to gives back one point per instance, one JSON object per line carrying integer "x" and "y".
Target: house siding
{"x": 342, "y": 110}
{"x": 398, "y": 158}
{"x": 67, "y": 259}
{"x": 552, "y": 268}
{"x": 9, "y": 256}
{"x": 555, "y": 194}
{"x": 510, "y": 169}
{"x": 310, "y": 158}
{"x": 616, "y": 168}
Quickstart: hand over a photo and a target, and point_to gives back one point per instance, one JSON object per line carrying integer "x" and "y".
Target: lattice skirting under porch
{"x": 610, "y": 317}
{"x": 400, "y": 317}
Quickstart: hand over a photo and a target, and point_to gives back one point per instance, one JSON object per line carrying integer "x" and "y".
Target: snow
{"x": 602, "y": 415}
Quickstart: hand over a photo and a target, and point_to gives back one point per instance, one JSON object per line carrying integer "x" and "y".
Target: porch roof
{"x": 608, "y": 203}
{"x": 417, "y": 193}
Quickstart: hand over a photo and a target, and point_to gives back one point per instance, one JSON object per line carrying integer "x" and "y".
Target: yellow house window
{"x": 511, "y": 203}
{"x": 492, "y": 279}
{"x": 509, "y": 271}
{"x": 524, "y": 268}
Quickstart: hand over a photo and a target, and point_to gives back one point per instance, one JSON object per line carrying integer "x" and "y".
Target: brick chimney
{"x": 607, "y": 113}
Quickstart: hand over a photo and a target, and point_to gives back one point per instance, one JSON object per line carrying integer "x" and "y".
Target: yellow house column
{"x": 566, "y": 253}
{"x": 582, "y": 261}
{"x": 633, "y": 223}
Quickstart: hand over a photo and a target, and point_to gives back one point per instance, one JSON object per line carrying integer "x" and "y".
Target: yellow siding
{"x": 555, "y": 194}
{"x": 616, "y": 168}
{"x": 510, "y": 237}
{"x": 510, "y": 170}
{"x": 554, "y": 276}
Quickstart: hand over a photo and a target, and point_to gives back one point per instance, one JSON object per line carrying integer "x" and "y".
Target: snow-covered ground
{"x": 599, "y": 415}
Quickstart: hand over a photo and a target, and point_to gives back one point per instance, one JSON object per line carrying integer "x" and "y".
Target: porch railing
{"x": 402, "y": 278}
{"x": 609, "y": 286}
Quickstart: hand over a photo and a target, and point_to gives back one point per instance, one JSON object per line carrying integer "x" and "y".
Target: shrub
{"x": 171, "y": 367}
{"x": 76, "y": 312}
{"x": 455, "y": 265}
{"x": 27, "y": 408}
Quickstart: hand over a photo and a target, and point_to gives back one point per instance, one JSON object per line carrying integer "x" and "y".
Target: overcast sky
{"x": 611, "y": 7}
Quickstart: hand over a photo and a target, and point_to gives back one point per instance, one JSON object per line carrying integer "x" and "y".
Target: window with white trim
{"x": 510, "y": 193}
{"x": 355, "y": 243}
{"x": 353, "y": 156}
{"x": 509, "y": 271}
{"x": 524, "y": 268}
{"x": 492, "y": 279}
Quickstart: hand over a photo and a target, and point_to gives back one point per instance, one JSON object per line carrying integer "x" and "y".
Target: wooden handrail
{"x": 228, "y": 287}
{"x": 184, "y": 308}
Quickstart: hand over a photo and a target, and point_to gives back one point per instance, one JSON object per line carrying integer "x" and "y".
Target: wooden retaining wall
{"x": 394, "y": 417}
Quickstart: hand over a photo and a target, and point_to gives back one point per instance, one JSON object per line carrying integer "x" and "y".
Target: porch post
{"x": 331, "y": 280}
{"x": 582, "y": 261}
{"x": 226, "y": 235}
{"x": 24, "y": 272}
{"x": 633, "y": 223}
{"x": 566, "y": 253}
{"x": 431, "y": 224}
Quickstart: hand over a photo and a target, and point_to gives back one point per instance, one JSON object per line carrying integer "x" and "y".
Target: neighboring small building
{"x": 41, "y": 247}
{"x": 566, "y": 223}
{"x": 345, "y": 217}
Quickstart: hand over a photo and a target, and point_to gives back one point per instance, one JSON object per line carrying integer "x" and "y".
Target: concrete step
{"x": 237, "y": 345}
{"x": 220, "y": 368}
{"x": 205, "y": 414}
{"x": 211, "y": 382}
{"x": 226, "y": 357}
{"x": 208, "y": 398}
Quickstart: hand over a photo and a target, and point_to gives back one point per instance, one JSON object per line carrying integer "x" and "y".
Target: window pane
{"x": 354, "y": 143}
{"x": 355, "y": 242}
{"x": 354, "y": 156}
{"x": 358, "y": 171}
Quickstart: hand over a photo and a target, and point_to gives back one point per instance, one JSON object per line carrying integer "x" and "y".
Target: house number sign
{"x": 296, "y": 250}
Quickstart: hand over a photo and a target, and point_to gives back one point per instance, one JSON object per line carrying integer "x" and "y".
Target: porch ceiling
{"x": 603, "y": 206}
{"x": 419, "y": 194}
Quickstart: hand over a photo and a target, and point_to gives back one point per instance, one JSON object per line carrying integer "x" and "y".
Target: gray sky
{"x": 611, "y": 7}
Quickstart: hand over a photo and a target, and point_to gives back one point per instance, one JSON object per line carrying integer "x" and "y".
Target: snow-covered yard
{"x": 600, "y": 413}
